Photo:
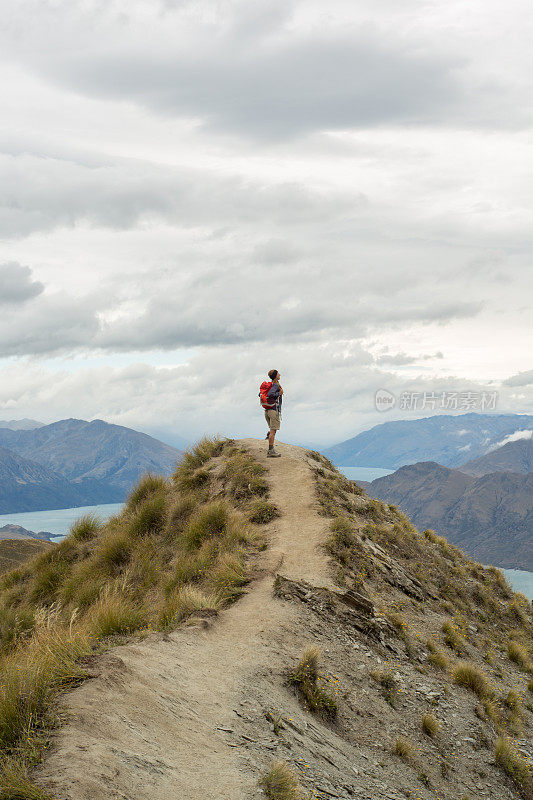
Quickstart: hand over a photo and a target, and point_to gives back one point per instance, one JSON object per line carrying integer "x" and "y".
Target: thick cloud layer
{"x": 191, "y": 191}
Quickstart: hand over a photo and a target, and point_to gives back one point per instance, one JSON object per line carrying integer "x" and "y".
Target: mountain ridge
{"x": 79, "y": 463}
{"x": 361, "y": 653}
{"x": 489, "y": 516}
{"x": 448, "y": 439}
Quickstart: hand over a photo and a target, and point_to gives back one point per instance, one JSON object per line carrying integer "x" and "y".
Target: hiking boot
{"x": 273, "y": 454}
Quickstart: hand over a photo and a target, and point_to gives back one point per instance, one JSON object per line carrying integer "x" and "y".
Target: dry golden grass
{"x": 515, "y": 766}
{"x": 385, "y": 677}
{"x": 281, "y": 783}
{"x": 115, "y": 613}
{"x": 453, "y": 637}
{"x": 171, "y": 553}
{"x": 307, "y": 680}
{"x": 430, "y": 724}
{"x": 473, "y": 678}
{"x": 519, "y": 654}
{"x": 404, "y": 748}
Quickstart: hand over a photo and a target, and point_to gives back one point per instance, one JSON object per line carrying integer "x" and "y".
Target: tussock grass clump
{"x": 179, "y": 512}
{"x": 306, "y": 678}
{"x": 519, "y": 654}
{"x": 437, "y": 657}
{"x": 115, "y": 613}
{"x": 453, "y": 637}
{"x": 114, "y": 551}
{"x": 386, "y": 679}
{"x": 515, "y": 766}
{"x": 186, "y": 602}
{"x": 261, "y": 512}
{"x": 473, "y": 678}
{"x": 430, "y": 724}
{"x": 243, "y": 476}
{"x": 31, "y": 677}
{"x": 210, "y": 520}
{"x": 398, "y": 621}
{"x": 404, "y": 748}
{"x": 16, "y": 784}
{"x": 281, "y": 782}
{"x": 85, "y": 528}
{"x": 148, "y": 485}
{"x": 512, "y": 701}
{"x": 148, "y": 515}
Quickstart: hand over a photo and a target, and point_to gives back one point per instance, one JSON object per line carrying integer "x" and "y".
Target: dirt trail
{"x": 150, "y": 726}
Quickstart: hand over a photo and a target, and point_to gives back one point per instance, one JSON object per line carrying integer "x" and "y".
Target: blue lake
{"x": 59, "y": 520}
{"x": 365, "y": 473}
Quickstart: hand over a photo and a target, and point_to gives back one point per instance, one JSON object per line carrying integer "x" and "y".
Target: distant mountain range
{"x": 17, "y": 532}
{"x": 515, "y": 456}
{"x": 484, "y": 510}
{"x": 74, "y": 463}
{"x": 449, "y": 440}
{"x": 20, "y": 424}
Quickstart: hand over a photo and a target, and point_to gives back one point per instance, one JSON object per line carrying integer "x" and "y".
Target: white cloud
{"x": 338, "y": 188}
{"x": 512, "y": 437}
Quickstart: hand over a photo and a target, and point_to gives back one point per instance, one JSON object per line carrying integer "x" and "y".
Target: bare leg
{"x": 271, "y": 437}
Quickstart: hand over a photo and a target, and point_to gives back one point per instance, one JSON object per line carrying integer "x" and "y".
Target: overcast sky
{"x": 193, "y": 193}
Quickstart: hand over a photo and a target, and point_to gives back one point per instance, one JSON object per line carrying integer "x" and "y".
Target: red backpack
{"x": 263, "y": 395}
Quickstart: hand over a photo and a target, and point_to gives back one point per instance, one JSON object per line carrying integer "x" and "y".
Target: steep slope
{"x": 444, "y": 438}
{"x": 490, "y": 517}
{"x": 406, "y": 625}
{"x": 26, "y": 485}
{"x": 14, "y": 552}
{"x": 514, "y": 456}
{"x": 87, "y": 451}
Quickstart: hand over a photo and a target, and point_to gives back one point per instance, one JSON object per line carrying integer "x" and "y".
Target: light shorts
{"x": 273, "y": 419}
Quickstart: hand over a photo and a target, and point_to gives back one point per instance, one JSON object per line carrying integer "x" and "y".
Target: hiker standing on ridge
{"x": 270, "y": 395}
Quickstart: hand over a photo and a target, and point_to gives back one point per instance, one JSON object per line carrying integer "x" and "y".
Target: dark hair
{"x": 273, "y": 374}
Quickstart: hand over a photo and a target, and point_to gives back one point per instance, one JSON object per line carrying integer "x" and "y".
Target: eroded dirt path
{"x": 151, "y": 725}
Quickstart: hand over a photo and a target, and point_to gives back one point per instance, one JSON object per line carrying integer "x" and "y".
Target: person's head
{"x": 273, "y": 375}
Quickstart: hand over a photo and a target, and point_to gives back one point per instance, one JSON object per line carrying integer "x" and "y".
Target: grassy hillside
{"x": 436, "y": 645}
{"x": 180, "y": 547}
{"x": 14, "y": 552}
